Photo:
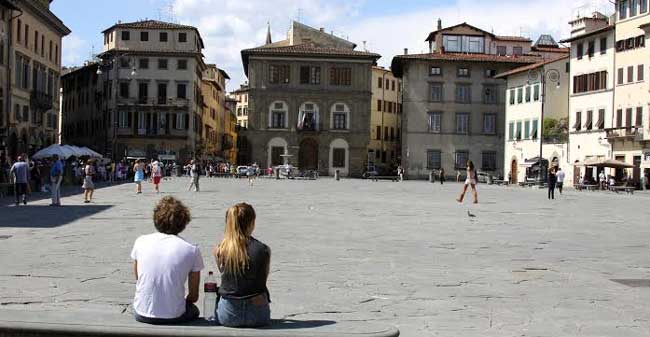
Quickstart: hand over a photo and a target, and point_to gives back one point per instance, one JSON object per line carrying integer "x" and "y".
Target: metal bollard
{"x": 277, "y": 173}
{"x": 337, "y": 175}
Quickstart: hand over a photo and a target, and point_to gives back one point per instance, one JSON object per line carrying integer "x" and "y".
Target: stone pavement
{"x": 399, "y": 253}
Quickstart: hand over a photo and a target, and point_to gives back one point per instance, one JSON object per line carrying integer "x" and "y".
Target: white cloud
{"x": 228, "y": 26}
{"x": 75, "y": 50}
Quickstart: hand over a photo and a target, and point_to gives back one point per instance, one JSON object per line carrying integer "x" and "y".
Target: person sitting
{"x": 244, "y": 264}
{"x": 162, "y": 263}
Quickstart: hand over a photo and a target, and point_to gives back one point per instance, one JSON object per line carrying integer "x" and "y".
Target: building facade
{"x": 630, "y": 134}
{"x": 309, "y": 97}
{"x": 526, "y": 96}
{"x": 152, "y": 72}
{"x": 85, "y": 122}
{"x": 385, "y": 118}
{"x": 241, "y": 95}
{"x": 453, "y": 106}
{"x": 213, "y": 118}
{"x": 31, "y": 56}
{"x": 591, "y": 93}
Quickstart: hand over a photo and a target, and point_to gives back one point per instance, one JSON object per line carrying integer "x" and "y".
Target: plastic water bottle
{"x": 210, "y": 297}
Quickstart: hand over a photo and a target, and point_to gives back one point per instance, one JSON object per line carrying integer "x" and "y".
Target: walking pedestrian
{"x": 195, "y": 172}
{"x": 20, "y": 172}
{"x": 156, "y": 173}
{"x": 602, "y": 180}
{"x": 138, "y": 177}
{"x": 400, "y": 173}
{"x": 56, "y": 176}
{"x": 250, "y": 172}
{"x": 470, "y": 181}
{"x": 457, "y": 176}
{"x": 560, "y": 179}
{"x": 552, "y": 180}
{"x": 89, "y": 185}
{"x": 442, "y": 176}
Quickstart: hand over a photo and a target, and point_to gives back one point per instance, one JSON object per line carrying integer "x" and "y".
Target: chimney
{"x": 364, "y": 46}
{"x": 322, "y": 30}
{"x": 406, "y": 51}
{"x": 439, "y": 24}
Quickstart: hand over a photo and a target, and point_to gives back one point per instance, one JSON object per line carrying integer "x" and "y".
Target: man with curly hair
{"x": 162, "y": 263}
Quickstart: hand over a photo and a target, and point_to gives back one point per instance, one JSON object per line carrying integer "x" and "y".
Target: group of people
{"x": 555, "y": 181}
{"x": 164, "y": 262}
{"x": 20, "y": 172}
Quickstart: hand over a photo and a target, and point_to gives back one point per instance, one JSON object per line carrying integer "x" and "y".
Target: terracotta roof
{"x": 513, "y": 38}
{"x": 148, "y": 24}
{"x": 305, "y": 50}
{"x": 597, "y": 31}
{"x": 433, "y": 34}
{"x": 396, "y": 64}
{"x": 530, "y": 66}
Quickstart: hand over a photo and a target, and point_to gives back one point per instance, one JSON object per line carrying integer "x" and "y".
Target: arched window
{"x": 278, "y": 113}
{"x": 308, "y": 117}
{"x": 277, "y": 147}
{"x": 340, "y": 117}
{"x": 339, "y": 157}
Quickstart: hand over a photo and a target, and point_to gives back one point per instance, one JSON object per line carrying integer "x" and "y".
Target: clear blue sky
{"x": 388, "y": 26}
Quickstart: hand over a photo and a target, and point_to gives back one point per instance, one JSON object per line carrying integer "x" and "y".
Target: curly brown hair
{"x": 170, "y": 216}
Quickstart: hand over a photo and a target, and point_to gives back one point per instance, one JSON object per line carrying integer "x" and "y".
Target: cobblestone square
{"x": 405, "y": 254}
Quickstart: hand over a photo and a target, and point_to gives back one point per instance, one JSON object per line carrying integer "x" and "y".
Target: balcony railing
{"x": 40, "y": 100}
{"x": 310, "y": 127}
{"x": 166, "y": 101}
{"x": 625, "y": 133}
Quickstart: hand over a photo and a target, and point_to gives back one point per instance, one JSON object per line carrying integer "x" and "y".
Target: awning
{"x": 601, "y": 121}
{"x": 576, "y": 125}
{"x": 611, "y": 163}
{"x": 588, "y": 122}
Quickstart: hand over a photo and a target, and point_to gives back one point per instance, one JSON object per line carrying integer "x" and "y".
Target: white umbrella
{"x": 91, "y": 153}
{"x": 54, "y": 149}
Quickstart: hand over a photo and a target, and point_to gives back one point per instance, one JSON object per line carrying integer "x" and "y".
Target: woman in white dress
{"x": 89, "y": 185}
{"x": 469, "y": 181}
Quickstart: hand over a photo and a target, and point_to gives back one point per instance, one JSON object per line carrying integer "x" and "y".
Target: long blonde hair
{"x": 231, "y": 253}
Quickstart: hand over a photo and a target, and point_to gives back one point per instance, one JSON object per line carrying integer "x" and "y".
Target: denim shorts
{"x": 246, "y": 313}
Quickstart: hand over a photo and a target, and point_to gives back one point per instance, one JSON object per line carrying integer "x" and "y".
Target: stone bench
{"x": 14, "y": 323}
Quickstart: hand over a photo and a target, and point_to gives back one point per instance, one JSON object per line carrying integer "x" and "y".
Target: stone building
{"x": 309, "y": 96}
{"x": 152, "y": 78}
{"x": 213, "y": 118}
{"x": 230, "y": 143}
{"x": 591, "y": 92}
{"x": 241, "y": 95}
{"x": 453, "y": 106}
{"x": 526, "y": 96}
{"x": 385, "y": 120}
{"x": 84, "y": 122}
{"x": 31, "y": 58}
{"x": 630, "y": 134}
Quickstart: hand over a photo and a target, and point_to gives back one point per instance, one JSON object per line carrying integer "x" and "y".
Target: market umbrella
{"x": 91, "y": 153}
{"x": 611, "y": 163}
{"x": 54, "y": 149}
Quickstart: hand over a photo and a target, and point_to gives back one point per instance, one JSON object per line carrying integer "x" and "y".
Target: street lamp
{"x": 553, "y": 76}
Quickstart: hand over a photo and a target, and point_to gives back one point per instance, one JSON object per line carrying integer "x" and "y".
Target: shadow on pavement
{"x": 32, "y": 216}
{"x": 66, "y": 191}
{"x": 276, "y": 324}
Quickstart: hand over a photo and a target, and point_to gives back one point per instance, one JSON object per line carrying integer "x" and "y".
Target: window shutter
{"x": 187, "y": 121}
{"x": 129, "y": 120}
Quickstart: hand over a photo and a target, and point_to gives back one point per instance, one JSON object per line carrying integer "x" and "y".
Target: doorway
{"x": 308, "y": 154}
{"x": 513, "y": 172}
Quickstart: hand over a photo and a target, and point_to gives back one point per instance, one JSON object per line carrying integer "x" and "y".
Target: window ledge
{"x": 339, "y": 130}
{"x": 277, "y": 129}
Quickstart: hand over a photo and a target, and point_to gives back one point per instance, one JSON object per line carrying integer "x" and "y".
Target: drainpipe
{"x": 8, "y": 68}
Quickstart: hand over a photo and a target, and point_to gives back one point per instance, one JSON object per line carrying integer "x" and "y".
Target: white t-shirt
{"x": 164, "y": 263}
{"x": 560, "y": 176}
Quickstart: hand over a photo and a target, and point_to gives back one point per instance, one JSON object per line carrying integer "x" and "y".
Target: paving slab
{"x": 404, "y": 254}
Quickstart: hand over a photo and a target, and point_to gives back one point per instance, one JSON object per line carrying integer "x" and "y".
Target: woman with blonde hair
{"x": 88, "y": 184}
{"x": 244, "y": 264}
{"x": 469, "y": 181}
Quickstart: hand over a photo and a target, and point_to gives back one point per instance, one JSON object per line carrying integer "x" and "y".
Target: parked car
{"x": 242, "y": 171}
{"x": 379, "y": 171}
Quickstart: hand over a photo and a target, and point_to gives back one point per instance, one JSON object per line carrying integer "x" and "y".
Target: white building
{"x": 527, "y": 95}
{"x": 153, "y": 72}
{"x": 591, "y": 92}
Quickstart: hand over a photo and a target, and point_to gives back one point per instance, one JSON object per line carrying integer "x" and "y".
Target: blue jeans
{"x": 191, "y": 313}
{"x": 249, "y": 313}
